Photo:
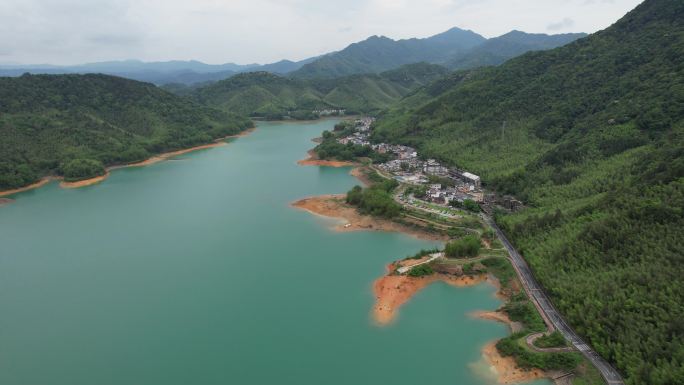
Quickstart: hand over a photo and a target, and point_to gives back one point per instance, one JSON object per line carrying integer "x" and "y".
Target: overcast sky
{"x": 246, "y": 31}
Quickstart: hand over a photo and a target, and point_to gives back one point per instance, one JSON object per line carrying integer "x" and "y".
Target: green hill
{"x": 74, "y": 125}
{"x": 593, "y": 142}
{"x": 262, "y": 94}
{"x": 378, "y": 53}
{"x": 515, "y": 43}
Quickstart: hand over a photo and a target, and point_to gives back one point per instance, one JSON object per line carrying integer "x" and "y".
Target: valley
{"x": 329, "y": 218}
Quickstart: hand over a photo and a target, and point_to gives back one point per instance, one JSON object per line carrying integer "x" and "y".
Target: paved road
{"x": 550, "y": 314}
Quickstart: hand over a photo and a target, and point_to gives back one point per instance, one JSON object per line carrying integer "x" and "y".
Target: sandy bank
{"x": 312, "y": 160}
{"x": 168, "y": 155}
{"x": 40, "y": 183}
{"x": 392, "y": 291}
{"x": 333, "y": 206}
{"x": 147, "y": 162}
{"x": 499, "y": 317}
{"x": 84, "y": 182}
{"x": 360, "y": 174}
{"x": 505, "y": 368}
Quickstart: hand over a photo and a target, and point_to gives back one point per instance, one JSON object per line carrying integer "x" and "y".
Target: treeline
{"x": 75, "y": 125}
{"x": 376, "y": 200}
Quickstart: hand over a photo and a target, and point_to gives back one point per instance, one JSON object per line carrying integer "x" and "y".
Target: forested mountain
{"x": 591, "y": 137}
{"x": 74, "y": 125}
{"x": 456, "y": 48}
{"x": 176, "y": 71}
{"x": 378, "y": 53}
{"x": 262, "y": 94}
{"x": 497, "y": 50}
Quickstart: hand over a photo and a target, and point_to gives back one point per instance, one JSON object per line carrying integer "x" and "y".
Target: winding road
{"x": 551, "y": 316}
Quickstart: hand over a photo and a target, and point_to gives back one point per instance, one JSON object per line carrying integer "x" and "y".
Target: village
{"x": 442, "y": 185}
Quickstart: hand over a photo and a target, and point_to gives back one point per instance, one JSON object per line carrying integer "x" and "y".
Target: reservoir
{"x": 197, "y": 271}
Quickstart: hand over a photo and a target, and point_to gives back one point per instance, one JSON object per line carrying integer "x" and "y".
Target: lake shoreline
{"x": 149, "y": 161}
{"x": 312, "y": 160}
{"x": 333, "y": 206}
{"x": 42, "y": 182}
{"x": 393, "y": 291}
{"x": 506, "y": 369}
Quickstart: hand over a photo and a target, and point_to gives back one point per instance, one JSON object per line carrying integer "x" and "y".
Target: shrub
{"x": 420, "y": 271}
{"x": 552, "y": 340}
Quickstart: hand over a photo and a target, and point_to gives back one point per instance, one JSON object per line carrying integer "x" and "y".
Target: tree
{"x": 78, "y": 169}
{"x": 468, "y": 246}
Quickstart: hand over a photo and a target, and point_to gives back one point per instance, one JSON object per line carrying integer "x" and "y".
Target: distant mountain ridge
{"x": 380, "y": 53}
{"x": 455, "y": 49}
{"x": 176, "y": 71}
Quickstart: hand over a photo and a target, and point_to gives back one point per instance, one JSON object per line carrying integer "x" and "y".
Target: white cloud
{"x": 217, "y": 31}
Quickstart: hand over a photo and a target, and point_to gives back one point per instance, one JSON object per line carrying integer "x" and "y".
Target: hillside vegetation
{"x": 261, "y": 94}
{"x": 75, "y": 125}
{"x": 497, "y": 50}
{"x": 379, "y": 53}
{"x": 591, "y": 137}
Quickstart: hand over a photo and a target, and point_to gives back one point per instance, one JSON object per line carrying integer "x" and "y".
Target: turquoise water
{"x": 197, "y": 271}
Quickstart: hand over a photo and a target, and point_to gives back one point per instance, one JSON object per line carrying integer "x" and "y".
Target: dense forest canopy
{"x": 591, "y": 137}
{"x": 74, "y": 125}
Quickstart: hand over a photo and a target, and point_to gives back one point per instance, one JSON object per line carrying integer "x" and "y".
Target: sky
{"x": 263, "y": 31}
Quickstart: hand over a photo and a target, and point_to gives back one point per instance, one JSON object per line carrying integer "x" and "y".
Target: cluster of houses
{"x": 445, "y": 195}
{"x": 329, "y": 112}
{"x": 357, "y": 138}
{"x": 407, "y": 167}
{"x": 364, "y": 124}
{"x": 361, "y": 135}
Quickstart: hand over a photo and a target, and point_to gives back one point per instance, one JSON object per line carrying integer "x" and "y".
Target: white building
{"x": 472, "y": 179}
